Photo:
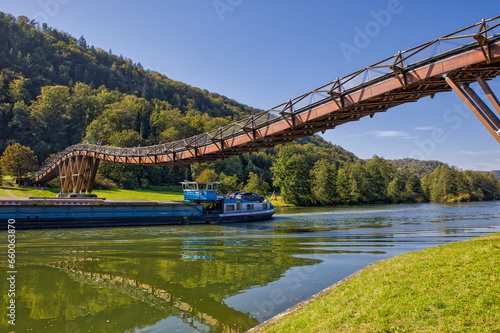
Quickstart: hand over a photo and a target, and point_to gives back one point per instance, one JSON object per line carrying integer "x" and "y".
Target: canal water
{"x": 215, "y": 278}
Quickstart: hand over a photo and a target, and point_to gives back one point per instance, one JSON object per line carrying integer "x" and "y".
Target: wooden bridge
{"x": 452, "y": 62}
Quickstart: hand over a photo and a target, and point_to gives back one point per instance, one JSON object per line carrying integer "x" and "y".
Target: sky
{"x": 263, "y": 53}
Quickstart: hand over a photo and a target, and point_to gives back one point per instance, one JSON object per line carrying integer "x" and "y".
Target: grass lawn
{"x": 9, "y": 189}
{"x": 140, "y": 194}
{"x": 447, "y": 288}
{"x": 279, "y": 202}
{"x": 13, "y": 191}
{"x": 162, "y": 193}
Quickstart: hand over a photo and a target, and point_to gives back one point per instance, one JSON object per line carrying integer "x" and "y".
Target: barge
{"x": 233, "y": 207}
{"x": 37, "y": 213}
{"x": 203, "y": 205}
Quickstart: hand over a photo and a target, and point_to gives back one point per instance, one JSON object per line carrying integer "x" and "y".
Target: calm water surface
{"x": 215, "y": 278}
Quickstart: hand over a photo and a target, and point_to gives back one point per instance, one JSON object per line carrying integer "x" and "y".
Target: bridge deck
{"x": 403, "y": 78}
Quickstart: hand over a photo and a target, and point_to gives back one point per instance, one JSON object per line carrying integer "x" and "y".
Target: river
{"x": 215, "y": 278}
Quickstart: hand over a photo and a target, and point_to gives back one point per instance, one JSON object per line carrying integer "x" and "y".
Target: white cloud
{"x": 484, "y": 152}
{"x": 389, "y": 134}
{"x": 384, "y": 135}
{"x": 359, "y": 134}
{"x": 424, "y": 128}
{"x": 481, "y": 166}
{"x": 491, "y": 165}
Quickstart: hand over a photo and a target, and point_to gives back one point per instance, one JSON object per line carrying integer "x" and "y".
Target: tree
{"x": 380, "y": 173}
{"x": 291, "y": 174}
{"x": 18, "y": 91}
{"x": 207, "y": 175}
{"x": 323, "y": 178}
{"x": 82, "y": 42}
{"x": 394, "y": 190}
{"x": 21, "y": 121}
{"x": 126, "y": 138}
{"x": 50, "y": 115}
{"x": 228, "y": 183}
{"x": 413, "y": 189}
{"x": 18, "y": 160}
{"x": 342, "y": 184}
{"x": 256, "y": 184}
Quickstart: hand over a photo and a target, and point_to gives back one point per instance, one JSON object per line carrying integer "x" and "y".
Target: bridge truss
{"x": 451, "y": 62}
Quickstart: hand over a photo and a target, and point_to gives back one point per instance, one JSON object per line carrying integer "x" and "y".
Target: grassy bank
{"x": 9, "y": 189}
{"x": 279, "y": 202}
{"x": 447, "y": 288}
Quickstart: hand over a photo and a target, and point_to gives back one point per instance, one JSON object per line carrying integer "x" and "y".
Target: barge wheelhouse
{"x": 233, "y": 207}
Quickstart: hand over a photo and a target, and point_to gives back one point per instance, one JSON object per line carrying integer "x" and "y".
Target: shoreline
{"x": 312, "y": 298}
{"x": 416, "y": 291}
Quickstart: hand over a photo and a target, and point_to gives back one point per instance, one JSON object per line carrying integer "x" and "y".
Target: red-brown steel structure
{"x": 437, "y": 66}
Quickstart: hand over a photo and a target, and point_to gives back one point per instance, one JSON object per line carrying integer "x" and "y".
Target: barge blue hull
{"x": 73, "y": 213}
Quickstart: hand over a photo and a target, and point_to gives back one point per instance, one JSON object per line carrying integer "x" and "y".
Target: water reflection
{"x": 215, "y": 278}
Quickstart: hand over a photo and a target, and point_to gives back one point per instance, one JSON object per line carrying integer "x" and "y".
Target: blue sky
{"x": 263, "y": 53}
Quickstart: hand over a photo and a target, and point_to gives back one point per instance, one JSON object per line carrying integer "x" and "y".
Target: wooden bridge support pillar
{"x": 77, "y": 174}
{"x": 489, "y": 119}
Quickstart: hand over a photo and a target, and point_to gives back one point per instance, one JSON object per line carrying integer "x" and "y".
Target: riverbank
{"x": 9, "y": 189}
{"x": 452, "y": 287}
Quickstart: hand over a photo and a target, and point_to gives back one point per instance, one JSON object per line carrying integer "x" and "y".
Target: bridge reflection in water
{"x": 126, "y": 280}
{"x": 171, "y": 302}
{"x": 451, "y": 62}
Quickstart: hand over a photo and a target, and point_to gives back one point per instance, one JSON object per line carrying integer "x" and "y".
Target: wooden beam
{"x": 479, "y": 102}
{"x": 93, "y": 173}
{"x": 489, "y": 93}
{"x": 473, "y": 107}
{"x": 81, "y": 178}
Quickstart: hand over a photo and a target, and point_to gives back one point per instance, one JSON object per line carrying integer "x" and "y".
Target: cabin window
{"x": 250, "y": 207}
{"x": 264, "y": 206}
{"x": 229, "y": 208}
{"x": 238, "y": 205}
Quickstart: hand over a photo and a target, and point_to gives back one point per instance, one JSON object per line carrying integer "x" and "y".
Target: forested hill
{"x": 34, "y": 60}
{"x": 48, "y": 57}
{"x": 421, "y": 168}
{"x": 56, "y": 91}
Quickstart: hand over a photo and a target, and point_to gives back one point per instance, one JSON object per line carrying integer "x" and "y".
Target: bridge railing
{"x": 481, "y": 34}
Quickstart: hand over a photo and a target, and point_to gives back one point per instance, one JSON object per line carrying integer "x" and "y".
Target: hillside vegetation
{"x": 420, "y": 168}
{"x": 56, "y": 91}
{"x": 55, "y": 88}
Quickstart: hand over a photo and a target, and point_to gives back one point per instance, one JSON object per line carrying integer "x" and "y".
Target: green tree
{"x": 379, "y": 175}
{"x": 228, "y": 183}
{"x": 21, "y": 121}
{"x": 413, "y": 191}
{"x": 394, "y": 190}
{"x": 358, "y": 184}
{"x": 342, "y": 184}
{"x": 207, "y": 175}
{"x": 50, "y": 116}
{"x": 323, "y": 177}
{"x": 256, "y": 184}
{"x": 51, "y": 108}
{"x": 18, "y": 160}
{"x": 125, "y": 138}
{"x": 18, "y": 91}
{"x": 291, "y": 174}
